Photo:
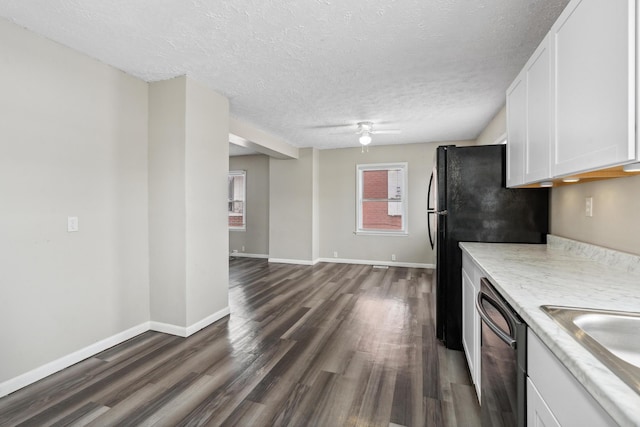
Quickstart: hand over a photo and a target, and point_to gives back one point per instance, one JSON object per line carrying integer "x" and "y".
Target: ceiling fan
{"x": 366, "y": 129}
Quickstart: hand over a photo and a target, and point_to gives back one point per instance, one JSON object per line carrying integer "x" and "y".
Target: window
{"x": 382, "y": 198}
{"x": 237, "y": 200}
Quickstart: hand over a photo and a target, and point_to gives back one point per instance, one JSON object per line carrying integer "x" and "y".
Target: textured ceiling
{"x": 436, "y": 69}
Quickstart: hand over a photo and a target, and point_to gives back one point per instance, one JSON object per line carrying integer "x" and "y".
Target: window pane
{"x": 394, "y": 184}
{"x": 236, "y": 200}
{"x": 375, "y": 215}
{"x": 374, "y": 184}
{"x": 382, "y": 202}
{"x": 236, "y": 214}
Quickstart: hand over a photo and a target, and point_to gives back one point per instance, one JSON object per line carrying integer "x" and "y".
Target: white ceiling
{"x": 436, "y": 69}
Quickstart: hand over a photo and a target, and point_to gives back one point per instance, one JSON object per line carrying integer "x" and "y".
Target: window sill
{"x": 381, "y": 233}
{"x": 237, "y": 228}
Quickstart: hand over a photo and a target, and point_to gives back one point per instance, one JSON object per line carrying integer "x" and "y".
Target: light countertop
{"x": 568, "y": 273}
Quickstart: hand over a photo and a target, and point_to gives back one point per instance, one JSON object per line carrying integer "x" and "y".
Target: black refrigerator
{"x": 469, "y": 202}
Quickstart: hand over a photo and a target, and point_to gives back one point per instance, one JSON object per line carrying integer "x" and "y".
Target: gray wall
{"x": 73, "y": 142}
{"x": 291, "y": 207}
{"x": 615, "y": 224}
{"x": 315, "y": 209}
{"x": 188, "y": 166}
{"x": 167, "y": 210}
{"x": 207, "y": 167}
{"x": 338, "y": 204}
{"x": 255, "y": 238}
{"x": 496, "y": 128}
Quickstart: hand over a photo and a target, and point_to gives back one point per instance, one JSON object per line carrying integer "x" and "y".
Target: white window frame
{"x": 243, "y": 174}
{"x": 360, "y": 168}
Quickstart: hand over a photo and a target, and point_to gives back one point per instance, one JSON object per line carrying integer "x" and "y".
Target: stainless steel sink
{"x": 611, "y": 336}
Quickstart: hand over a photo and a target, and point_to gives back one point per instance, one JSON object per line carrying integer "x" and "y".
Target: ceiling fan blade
{"x": 344, "y": 132}
{"x": 387, "y": 131}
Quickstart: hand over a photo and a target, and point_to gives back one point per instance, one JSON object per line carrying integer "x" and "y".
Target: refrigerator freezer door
{"x": 479, "y": 209}
{"x": 440, "y": 174}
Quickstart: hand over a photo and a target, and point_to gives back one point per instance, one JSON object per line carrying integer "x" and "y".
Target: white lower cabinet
{"x": 538, "y": 413}
{"x": 471, "y": 275}
{"x": 554, "y": 396}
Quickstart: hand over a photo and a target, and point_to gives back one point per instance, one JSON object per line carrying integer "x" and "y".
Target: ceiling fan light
{"x": 365, "y": 139}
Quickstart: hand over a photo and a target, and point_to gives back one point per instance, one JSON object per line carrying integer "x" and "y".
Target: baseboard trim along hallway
{"x": 184, "y": 332}
{"x": 246, "y": 255}
{"x": 43, "y": 371}
{"x": 64, "y": 362}
{"x": 349, "y": 261}
{"x": 376, "y": 262}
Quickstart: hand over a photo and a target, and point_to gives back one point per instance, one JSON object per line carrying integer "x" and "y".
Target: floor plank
{"x": 325, "y": 345}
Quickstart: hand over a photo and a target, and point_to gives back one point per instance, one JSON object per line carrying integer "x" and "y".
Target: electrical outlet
{"x": 588, "y": 206}
{"x": 243, "y": 249}
{"x": 393, "y": 257}
{"x": 335, "y": 254}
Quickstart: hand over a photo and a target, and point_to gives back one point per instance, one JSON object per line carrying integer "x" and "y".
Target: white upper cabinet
{"x": 593, "y": 65}
{"x": 572, "y": 108}
{"x": 516, "y": 131}
{"x": 528, "y": 120}
{"x": 537, "y": 144}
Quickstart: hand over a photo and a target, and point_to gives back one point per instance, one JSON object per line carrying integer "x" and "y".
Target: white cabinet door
{"x": 593, "y": 64}
{"x": 477, "y": 335}
{"x": 538, "y": 114}
{"x": 538, "y": 413}
{"x": 564, "y": 396}
{"x": 516, "y": 130}
{"x": 468, "y": 341}
{"x": 529, "y": 120}
{"x": 471, "y": 319}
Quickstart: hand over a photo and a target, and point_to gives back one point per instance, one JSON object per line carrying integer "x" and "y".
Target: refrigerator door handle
{"x": 429, "y": 229}
{"x": 429, "y": 207}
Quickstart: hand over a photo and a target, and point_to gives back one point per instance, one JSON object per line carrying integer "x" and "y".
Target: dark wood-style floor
{"x": 328, "y": 345}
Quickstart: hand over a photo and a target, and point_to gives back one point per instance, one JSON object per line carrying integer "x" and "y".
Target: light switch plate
{"x": 588, "y": 206}
{"x": 72, "y": 224}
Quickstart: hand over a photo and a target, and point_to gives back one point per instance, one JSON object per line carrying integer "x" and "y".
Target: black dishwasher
{"x": 503, "y": 362}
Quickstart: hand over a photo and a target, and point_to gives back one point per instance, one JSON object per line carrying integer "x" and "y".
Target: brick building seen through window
{"x": 382, "y": 201}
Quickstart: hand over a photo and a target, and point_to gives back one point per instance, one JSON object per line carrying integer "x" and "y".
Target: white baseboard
{"x": 207, "y": 321}
{"x": 168, "y": 328}
{"x": 183, "y": 331}
{"x": 246, "y": 255}
{"x": 43, "y": 371}
{"x": 292, "y": 261}
{"x": 370, "y": 262}
{"x": 352, "y": 261}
